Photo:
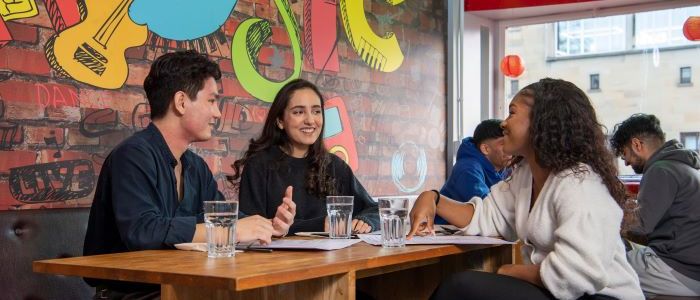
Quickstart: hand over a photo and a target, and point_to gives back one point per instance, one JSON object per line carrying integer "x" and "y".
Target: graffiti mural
{"x": 92, "y": 51}
{"x": 50, "y": 182}
{"x": 71, "y": 76}
{"x": 247, "y": 41}
{"x": 380, "y": 53}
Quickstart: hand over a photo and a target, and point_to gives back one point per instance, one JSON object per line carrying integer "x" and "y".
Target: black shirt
{"x": 136, "y": 203}
{"x": 267, "y": 174}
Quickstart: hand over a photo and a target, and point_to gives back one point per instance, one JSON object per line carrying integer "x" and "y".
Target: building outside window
{"x": 595, "y": 82}
{"x": 690, "y": 140}
{"x": 686, "y": 73}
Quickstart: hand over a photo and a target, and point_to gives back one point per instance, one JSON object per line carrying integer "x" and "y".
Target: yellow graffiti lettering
{"x": 17, "y": 9}
{"x": 380, "y": 53}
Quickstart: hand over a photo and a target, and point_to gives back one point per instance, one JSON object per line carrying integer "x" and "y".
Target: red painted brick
{"x": 23, "y": 33}
{"x": 12, "y": 134}
{"x": 23, "y": 111}
{"x": 137, "y": 73}
{"x": 65, "y": 114}
{"x": 7, "y": 202}
{"x": 112, "y": 139}
{"x": 280, "y": 36}
{"x": 75, "y": 138}
{"x": 245, "y": 8}
{"x": 120, "y": 100}
{"x": 15, "y": 159}
{"x": 219, "y": 144}
{"x": 49, "y": 155}
{"x": 42, "y": 94}
{"x": 213, "y": 163}
{"x": 136, "y": 52}
{"x": 230, "y": 26}
{"x": 227, "y": 164}
{"x": 225, "y": 65}
{"x": 263, "y": 11}
{"x": 37, "y": 135}
{"x": 231, "y": 87}
{"x": 24, "y": 61}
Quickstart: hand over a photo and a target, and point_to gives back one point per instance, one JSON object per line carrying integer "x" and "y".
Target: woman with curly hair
{"x": 563, "y": 201}
{"x": 290, "y": 152}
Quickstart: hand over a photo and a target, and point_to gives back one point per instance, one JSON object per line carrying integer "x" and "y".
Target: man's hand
{"x": 284, "y": 218}
{"x": 359, "y": 226}
{"x": 254, "y": 228}
{"x": 423, "y": 215}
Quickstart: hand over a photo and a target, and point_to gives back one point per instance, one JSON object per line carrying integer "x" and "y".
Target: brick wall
{"x": 57, "y": 130}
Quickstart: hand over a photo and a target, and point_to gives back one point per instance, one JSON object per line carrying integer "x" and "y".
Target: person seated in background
{"x": 666, "y": 244}
{"x": 480, "y": 164}
{"x": 151, "y": 188}
{"x": 290, "y": 151}
{"x": 563, "y": 200}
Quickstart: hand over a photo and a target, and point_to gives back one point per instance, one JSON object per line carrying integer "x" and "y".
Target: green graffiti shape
{"x": 247, "y": 41}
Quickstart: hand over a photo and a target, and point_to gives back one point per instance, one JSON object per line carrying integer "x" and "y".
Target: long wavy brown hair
{"x": 565, "y": 132}
{"x": 318, "y": 180}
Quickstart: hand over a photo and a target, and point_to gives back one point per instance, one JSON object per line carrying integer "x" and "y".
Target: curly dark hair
{"x": 173, "y": 72}
{"x": 318, "y": 180}
{"x": 565, "y": 132}
{"x": 640, "y": 126}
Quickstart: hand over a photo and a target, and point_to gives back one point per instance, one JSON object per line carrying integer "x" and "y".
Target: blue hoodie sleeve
{"x": 465, "y": 182}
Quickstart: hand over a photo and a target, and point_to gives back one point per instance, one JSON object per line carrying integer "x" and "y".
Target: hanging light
{"x": 691, "y": 28}
{"x": 512, "y": 66}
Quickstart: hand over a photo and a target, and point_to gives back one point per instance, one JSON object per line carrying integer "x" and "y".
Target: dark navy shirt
{"x": 136, "y": 203}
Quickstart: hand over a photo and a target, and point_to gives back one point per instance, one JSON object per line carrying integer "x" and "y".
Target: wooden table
{"x": 412, "y": 272}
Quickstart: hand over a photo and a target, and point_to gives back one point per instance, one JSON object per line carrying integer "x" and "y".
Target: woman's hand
{"x": 529, "y": 273}
{"x": 423, "y": 214}
{"x": 284, "y": 218}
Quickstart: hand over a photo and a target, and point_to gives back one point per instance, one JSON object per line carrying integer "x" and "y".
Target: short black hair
{"x": 487, "y": 129}
{"x": 642, "y": 126}
{"x": 177, "y": 71}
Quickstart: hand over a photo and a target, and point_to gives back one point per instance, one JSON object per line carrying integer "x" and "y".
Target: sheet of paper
{"x": 439, "y": 240}
{"x": 317, "y": 244}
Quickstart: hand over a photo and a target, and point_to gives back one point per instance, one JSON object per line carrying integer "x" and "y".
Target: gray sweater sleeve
{"x": 657, "y": 192}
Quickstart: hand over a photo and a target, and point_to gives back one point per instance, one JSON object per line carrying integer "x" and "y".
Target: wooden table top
{"x": 244, "y": 271}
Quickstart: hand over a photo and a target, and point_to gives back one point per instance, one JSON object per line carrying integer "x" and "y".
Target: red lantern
{"x": 512, "y": 66}
{"x": 691, "y": 28}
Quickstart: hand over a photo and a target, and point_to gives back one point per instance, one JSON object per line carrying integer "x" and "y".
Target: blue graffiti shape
{"x": 398, "y": 173}
{"x": 51, "y": 182}
{"x": 181, "y": 20}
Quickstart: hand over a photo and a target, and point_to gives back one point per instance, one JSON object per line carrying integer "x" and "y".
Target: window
{"x": 595, "y": 82}
{"x": 514, "y": 87}
{"x": 690, "y": 140}
{"x": 663, "y": 28}
{"x": 590, "y": 36}
{"x": 686, "y": 73}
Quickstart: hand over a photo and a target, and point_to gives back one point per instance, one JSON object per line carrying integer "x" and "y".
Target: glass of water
{"x": 392, "y": 213}
{"x": 339, "y": 216}
{"x": 220, "y": 220}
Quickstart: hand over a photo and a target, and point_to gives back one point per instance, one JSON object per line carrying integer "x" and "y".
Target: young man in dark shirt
{"x": 666, "y": 258}
{"x": 151, "y": 188}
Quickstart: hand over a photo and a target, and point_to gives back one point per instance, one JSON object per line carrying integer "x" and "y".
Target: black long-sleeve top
{"x": 136, "y": 203}
{"x": 267, "y": 174}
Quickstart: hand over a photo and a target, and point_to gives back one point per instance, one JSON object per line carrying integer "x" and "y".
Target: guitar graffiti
{"x": 247, "y": 41}
{"x": 92, "y": 51}
{"x": 380, "y": 53}
{"x": 320, "y": 37}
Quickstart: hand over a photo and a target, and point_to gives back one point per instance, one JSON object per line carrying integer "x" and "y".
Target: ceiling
{"x": 517, "y": 9}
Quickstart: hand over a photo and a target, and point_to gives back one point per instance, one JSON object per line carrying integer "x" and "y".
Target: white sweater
{"x": 572, "y": 232}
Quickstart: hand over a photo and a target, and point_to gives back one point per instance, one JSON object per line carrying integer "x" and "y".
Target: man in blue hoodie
{"x": 666, "y": 252}
{"x": 480, "y": 164}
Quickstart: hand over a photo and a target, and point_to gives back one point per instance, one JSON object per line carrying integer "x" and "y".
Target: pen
{"x": 249, "y": 249}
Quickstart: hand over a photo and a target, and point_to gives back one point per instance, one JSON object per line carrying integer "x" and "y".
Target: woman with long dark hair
{"x": 563, "y": 201}
{"x": 290, "y": 152}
